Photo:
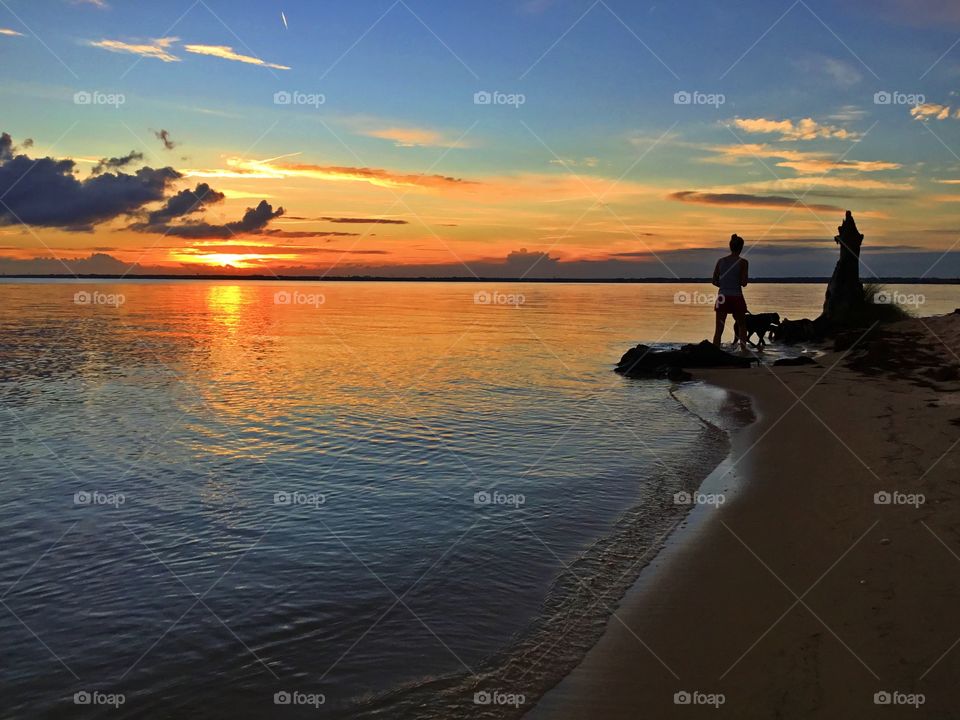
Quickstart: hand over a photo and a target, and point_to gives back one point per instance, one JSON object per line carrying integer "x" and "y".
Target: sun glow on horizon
{"x": 237, "y": 260}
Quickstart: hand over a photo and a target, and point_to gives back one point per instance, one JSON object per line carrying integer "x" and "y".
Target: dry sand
{"x": 801, "y": 597}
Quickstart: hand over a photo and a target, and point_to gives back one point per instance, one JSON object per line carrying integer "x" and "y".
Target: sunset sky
{"x": 346, "y": 137}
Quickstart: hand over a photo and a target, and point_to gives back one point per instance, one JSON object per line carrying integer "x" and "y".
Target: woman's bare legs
{"x": 718, "y": 334}
{"x": 741, "y": 326}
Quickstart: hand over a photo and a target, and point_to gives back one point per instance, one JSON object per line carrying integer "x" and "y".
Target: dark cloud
{"x": 183, "y": 203}
{"x": 745, "y": 200}
{"x": 6, "y": 147}
{"x": 254, "y": 220}
{"x": 117, "y": 162}
{"x": 95, "y": 264}
{"x": 164, "y": 137}
{"x": 45, "y": 192}
{"x": 521, "y": 262}
{"x": 362, "y": 221}
{"x": 292, "y": 234}
{"x": 350, "y": 220}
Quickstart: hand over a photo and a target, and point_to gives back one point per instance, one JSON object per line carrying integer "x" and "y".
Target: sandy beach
{"x": 806, "y": 594}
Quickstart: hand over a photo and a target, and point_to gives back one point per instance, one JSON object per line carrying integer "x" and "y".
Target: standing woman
{"x": 731, "y": 275}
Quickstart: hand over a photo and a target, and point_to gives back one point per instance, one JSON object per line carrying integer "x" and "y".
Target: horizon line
{"x": 794, "y": 279}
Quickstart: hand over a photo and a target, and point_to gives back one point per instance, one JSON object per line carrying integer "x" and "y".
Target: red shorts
{"x": 730, "y": 305}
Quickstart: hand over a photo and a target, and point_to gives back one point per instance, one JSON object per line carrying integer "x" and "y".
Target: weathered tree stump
{"x": 844, "y": 298}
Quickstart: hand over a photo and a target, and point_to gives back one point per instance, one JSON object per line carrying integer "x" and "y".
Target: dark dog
{"x": 760, "y": 325}
{"x": 791, "y": 332}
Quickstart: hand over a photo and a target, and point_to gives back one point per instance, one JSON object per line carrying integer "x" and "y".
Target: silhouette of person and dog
{"x": 730, "y": 275}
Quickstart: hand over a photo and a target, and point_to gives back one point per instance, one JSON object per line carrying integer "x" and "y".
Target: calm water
{"x": 208, "y": 496}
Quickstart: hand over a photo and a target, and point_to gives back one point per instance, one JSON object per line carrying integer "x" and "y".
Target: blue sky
{"x": 796, "y": 81}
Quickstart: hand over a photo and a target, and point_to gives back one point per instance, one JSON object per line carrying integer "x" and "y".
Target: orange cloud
{"x": 832, "y": 181}
{"x": 413, "y": 137}
{"x": 157, "y": 49}
{"x": 805, "y": 129}
{"x": 228, "y": 53}
{"x": 814, "y": 165}
{"x": 935, "y": 111}
{"x": 799, "y": 160}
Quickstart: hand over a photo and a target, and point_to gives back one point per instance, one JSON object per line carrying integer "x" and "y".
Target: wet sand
{"x": 802, "y": 596}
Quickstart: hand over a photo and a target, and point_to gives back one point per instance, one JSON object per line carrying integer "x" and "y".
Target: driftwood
{"x": 844, "y": 300}
{"x": 845, "y": 292}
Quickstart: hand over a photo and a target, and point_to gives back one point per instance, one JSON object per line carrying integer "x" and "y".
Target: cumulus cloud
{"x": 6, "y": 147}
{"x": 522, "y": 262}
{"x": 228, "y": 53}
{"x": 934, "y": 111}
{"x": 117, "y": 162}
{"x": 804, "y": 129}
{"x": 747, "y": 200}
{"x": 254, "y": 220}
{"x": 183, "y": 203}
{"x": 44, "y": 192}
{"x": 159, "y": 49}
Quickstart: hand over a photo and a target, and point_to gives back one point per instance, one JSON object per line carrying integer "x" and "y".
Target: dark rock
{"x": 643, "y": 361}
{"x": 678, "y": 374}
{"x": 795, "y": 361}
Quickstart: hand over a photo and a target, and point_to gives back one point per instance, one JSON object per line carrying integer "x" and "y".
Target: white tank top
{"x": 730, "y": 276}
